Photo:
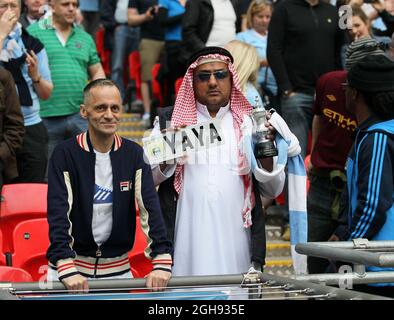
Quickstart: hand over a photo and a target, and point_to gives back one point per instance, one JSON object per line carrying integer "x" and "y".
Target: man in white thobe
{"x": 216, "y": 214}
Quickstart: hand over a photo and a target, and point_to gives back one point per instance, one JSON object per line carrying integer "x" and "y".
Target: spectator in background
{"x": 361, "y": 28}
{"x": 124, "y": 38}
{"x": 369, "y": 92}
{"x": 73, "y": 60}
{"x": 28, "y": 64}
{"x": 34, "y": 10}
{"x": 304, "y": 42}
{"x": 243, "y": 8}
{"x": 144, "y": 13}
{"x": 170, "y": 17}
{"x": 258, "y": 18}
{"x": 381, "y": 19}
{"x": 332, "y": 123}
{"x": 383, "y": 10}
{"x": 297, "y": 67}
{"x": 90, "y": 10}
{"x": 11, "y": 124}
{"x": 247, "y": 64}
{"x": 208, "y": 23}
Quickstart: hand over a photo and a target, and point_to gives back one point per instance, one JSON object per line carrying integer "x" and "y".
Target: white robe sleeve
{"x": 158, "y": 175}
{"x": 274, "y": 186}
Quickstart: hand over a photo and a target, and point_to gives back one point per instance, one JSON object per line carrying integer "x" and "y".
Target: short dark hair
{"x": 102, "y": 82}
{"x": 380, "y": 103}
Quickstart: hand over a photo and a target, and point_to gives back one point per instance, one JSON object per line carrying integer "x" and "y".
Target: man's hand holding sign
{"x": 179, "y": 142}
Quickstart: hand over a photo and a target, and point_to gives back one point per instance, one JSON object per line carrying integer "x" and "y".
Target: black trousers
{"x": 32, "y": 159}
{"x": 175, "y": 70}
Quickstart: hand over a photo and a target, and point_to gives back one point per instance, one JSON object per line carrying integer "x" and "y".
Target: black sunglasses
{"x": 205, "y": 76}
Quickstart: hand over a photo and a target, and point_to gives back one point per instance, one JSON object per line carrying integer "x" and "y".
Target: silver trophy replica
{"x": 263, "y": 148}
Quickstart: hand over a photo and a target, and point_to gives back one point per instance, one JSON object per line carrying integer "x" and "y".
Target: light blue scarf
{"x": 289, "y": 154}
{"x": 13, "y": 47}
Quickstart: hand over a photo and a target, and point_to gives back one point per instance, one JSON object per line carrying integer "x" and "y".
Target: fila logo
{"x": 125, "y": 186}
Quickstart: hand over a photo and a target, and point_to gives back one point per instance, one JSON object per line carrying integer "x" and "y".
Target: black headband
{"x": 209, "y": 50}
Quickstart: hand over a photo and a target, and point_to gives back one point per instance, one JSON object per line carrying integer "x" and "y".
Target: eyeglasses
{"x": 205, "y": 76}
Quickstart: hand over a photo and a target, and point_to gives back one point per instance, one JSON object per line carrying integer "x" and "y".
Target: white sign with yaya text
{"x": 175, "y": 144}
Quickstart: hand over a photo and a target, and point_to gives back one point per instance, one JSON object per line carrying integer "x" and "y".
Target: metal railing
{"x": 359, "y": 252}
{"x": 253, "y": 285}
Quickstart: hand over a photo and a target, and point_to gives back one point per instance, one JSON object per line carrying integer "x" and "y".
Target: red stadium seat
{"x": 280, "y": 200}
{"x": 31, "y": 242}
{"x": 178, "y": 83}
{"x": 140, "y": 265}
{"x": 11, "y": 274}
{"x": 24, "y": 198}
{"x": 105, "y": 55}
{"x": 20, "y": 202}
{"x": 135, "y": 71}
{"x": 2, "y": 256}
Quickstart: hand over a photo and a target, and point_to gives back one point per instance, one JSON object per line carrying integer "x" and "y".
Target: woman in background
{"x": 258, "y": 18}
{"x": 246, "y": 63}
{"x": 361, "y": 28}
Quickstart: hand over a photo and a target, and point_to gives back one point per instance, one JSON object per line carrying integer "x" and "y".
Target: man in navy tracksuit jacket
{"x": 93, "y": 181}
{"x": 370, "y": 181}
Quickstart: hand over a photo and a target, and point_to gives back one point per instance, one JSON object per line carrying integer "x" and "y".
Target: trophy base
{"x": 265, "y": 150}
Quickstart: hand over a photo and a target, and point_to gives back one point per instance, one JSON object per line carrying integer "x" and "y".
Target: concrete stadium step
{"x": 278, "y": 249}
{"x": 273, "y": 233}
{"x": 278, "y": 257}
{"x": 132, "y": 128}
{"x": 279, "y": 267}
{"x": 138, "y": 134}
{"x": 130, "y": 116}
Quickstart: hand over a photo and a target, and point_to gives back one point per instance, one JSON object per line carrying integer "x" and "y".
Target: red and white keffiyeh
{"x": 185, "y": 113}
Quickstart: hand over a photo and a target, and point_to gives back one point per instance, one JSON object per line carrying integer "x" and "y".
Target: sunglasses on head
{"x": 205, "y": 76}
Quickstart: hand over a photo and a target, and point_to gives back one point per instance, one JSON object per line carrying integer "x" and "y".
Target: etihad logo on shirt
{"x": 340, "y": 120}
{"x": 125, "y": 186}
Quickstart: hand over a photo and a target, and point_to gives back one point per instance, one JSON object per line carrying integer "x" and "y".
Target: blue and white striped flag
{"x": 289, "y": 152}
